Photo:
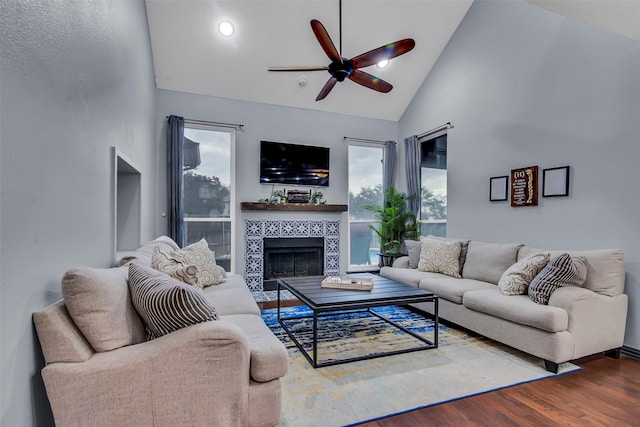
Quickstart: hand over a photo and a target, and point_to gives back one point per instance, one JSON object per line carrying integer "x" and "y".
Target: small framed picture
{"x": 498, "y": 188}
{"x": 555, "y": 182}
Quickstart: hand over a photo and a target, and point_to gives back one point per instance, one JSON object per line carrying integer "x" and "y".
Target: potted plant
{"x": 395, "y": 223}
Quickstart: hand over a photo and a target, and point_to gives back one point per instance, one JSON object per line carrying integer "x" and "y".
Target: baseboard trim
{"x": 634, "y": 353}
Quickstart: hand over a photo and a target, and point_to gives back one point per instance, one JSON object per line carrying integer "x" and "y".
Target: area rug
{"x": 464, "y": 364}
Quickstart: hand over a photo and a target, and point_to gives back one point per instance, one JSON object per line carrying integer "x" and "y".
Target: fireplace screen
{"x": 293, "y": 257}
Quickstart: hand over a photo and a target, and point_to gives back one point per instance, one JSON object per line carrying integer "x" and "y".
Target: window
{"x": 208, "y": 184}
{"x": 433, "y": 185}
{"x": 365, "y": 188}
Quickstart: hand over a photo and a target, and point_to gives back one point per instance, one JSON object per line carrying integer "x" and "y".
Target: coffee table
{"x": 323, "y": 301}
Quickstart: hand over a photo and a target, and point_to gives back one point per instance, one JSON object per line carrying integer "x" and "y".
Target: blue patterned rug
{"x": 464, "y": 364}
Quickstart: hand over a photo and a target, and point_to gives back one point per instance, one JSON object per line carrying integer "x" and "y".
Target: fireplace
{"x": 291, "y": 257}
{"x": 284, "y": 235}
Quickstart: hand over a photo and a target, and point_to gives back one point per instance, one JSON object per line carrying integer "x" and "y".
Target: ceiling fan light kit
{"x": 342, "y": 68}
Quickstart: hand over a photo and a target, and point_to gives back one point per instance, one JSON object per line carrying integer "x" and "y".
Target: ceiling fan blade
{"x": 372, "y": 82}
{"x": 326, "y": 88}
{"x": 299, "y": 69}
{"x": 325, "y": 41}
{"x": 388, "y": 51}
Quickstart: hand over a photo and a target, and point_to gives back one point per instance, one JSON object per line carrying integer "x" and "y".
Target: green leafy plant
{"x": 395, "y": 221}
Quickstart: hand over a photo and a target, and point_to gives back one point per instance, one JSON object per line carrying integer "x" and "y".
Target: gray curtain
{"x": 412, "y": 163}
{"x": 175, "y": 141}
{"x": 389, "y": 165}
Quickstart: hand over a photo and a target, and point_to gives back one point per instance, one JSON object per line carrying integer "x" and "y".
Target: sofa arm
{"x": 401, "y": 262}
{"x": 596, "y": 322}
{"x": 198, "y": 375}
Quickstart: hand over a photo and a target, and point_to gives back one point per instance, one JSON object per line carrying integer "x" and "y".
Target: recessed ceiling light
{"x": 226, "y": 28}
{"x": 383, "y": 63}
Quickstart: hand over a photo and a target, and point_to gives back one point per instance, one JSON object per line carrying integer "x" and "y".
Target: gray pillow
{"x": 413, "y": 249}
{"x": 487, "y": 261}
{"x": 165, "y": 304}
{"x": 561, "y": 271}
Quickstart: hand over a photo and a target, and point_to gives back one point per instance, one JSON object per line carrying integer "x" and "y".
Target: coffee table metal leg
{"x": 315, "y": 339}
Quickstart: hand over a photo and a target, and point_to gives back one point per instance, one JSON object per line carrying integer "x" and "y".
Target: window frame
{"x": 422, "y": 139}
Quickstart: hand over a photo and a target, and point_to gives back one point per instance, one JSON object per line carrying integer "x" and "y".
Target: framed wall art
{"x": 555, "y": 182}
{"x": 498, "y": 188}
{"x": 524, "y": 186}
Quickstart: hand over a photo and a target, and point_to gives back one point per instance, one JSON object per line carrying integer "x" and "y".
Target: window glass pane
{"x": 207, "y": 173}
{"x": 207, "y": 190}
{"x": 365, "y": 188}
{"x": 433, "y": 196}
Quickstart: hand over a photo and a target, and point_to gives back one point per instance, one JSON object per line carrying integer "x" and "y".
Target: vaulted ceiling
{"x": 190, "y": 55}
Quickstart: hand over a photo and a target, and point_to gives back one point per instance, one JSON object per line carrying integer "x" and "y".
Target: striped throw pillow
{"x": 563, "y": 270}
{"x": 165, "y": 304}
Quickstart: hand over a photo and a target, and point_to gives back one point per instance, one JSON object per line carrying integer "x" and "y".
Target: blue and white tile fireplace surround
{"x": 256, "y": 230}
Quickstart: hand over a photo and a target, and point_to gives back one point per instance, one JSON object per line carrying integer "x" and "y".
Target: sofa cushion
{"x": 516, "y": 279}
{"x": 144, "y": 253}
{"x": 452, "y": 289}
{"x": 563, "y": 270}
{"x": 165, "y": 304}
{"x": 517, "y": 308}
{"x": 197, "y": 254}
{"x": 440, "y": 256}
{"x": 409, "y": 276}
{"x": 232, "y": 297}
{"x": 605, "y": 273}
{"x": 269, "y": 358}
{"x": 413, "y": 250}
{"x": 99, "y": 303}
{"x": 464, "y": 248}
{"x": 487, "y": 261}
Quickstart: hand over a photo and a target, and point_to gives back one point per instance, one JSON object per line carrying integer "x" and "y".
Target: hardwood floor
{"x": 606, "y": 392}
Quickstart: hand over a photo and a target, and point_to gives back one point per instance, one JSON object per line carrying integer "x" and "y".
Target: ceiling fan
{"x": 343, "y": 68}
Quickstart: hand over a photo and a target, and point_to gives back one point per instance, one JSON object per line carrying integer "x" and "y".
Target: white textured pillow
{"x": 164, "y": 262}
{"x": 516, "y": 279}
{"x": 197, "y": 254}
{"x": 440, "y": 256}
{"x": 165, "y": 304}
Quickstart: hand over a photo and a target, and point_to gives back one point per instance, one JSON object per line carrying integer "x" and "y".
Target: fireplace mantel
{"x": 289, "y": 207}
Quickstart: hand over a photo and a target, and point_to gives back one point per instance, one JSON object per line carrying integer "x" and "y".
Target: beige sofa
{"x": 100, "y": 371}
{"x": 578, "y": 321}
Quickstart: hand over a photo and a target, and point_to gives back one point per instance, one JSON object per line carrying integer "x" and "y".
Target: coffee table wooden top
{"x": 384, "y": 291}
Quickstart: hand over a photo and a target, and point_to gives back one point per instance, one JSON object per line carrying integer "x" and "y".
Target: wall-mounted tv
{"x": 293, "y": 164}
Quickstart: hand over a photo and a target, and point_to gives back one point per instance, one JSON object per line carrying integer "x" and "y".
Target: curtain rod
{"x": 361, "y": 139}
{"x": 205, "y": 122}
{"x": 447, "y": 125}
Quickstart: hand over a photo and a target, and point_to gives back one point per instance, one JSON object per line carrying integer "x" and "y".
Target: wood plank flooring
{"x": 606, "y": 392}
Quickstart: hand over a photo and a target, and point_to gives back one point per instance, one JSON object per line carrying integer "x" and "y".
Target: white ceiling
{"x": 189, "y": 54}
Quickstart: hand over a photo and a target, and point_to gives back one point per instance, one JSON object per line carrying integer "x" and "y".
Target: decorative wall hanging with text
{"x": 524, "y": 186}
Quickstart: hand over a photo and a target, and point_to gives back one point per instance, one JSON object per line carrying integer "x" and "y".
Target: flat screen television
{"x": 294, "y": 164}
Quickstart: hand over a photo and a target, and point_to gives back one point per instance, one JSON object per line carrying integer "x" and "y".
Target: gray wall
{"x": 76, "y": 79}
{"x": 524, "y": 86}
{"x": 269, "y": 122}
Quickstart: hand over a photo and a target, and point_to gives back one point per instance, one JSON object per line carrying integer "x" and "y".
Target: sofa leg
{"x": 551, "y": 366}
{"x": 614, "y": 353}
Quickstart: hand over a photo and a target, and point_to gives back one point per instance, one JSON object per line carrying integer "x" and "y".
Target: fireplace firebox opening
{"x": 292, "y": 257}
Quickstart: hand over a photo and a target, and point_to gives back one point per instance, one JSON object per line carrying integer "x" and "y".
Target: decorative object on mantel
{"x": 524, "y": 186}
{"x": 298, "y": 196}
{"x": 555, "y": 182}
{"x": 317, "y": 198}
{"x": 498, "y": 188}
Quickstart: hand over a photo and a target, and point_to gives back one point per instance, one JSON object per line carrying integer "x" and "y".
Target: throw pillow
{"x": 516, "y": 279}
{"x": 563, "y": 270}
{"x": 464, "y": 248}
{"x": 440, "y": 256}
{"x": 165, "y": 263}
{"x": 99, "y": 303}
{"x": 413, "y": 250}
{"x": 197, "y": 254}
{"x": 165, "y": 304}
